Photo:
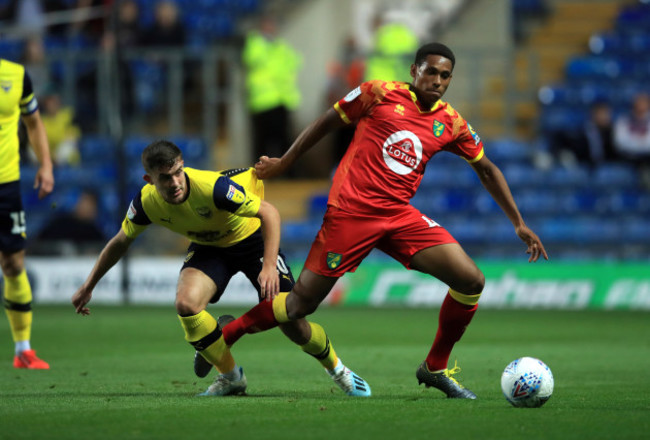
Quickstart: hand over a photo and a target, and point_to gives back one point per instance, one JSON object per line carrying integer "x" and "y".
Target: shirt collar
{"x": 419, "y": 104}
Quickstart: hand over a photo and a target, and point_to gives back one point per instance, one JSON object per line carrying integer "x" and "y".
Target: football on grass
{"x": 527, "y": 383}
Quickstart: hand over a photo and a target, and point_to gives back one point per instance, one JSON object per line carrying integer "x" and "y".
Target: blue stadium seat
{"x": 96, "y": 150}
{"x": 109, "y": 200}
{"x": 444, "y": 158}
{"x": 601, "y": 67}
{"x": 562, "y": 118}
{"x": 11, "y": 50}
{"x": 633, "y": 18}
{"x": 66, "y": 197}
{"x": 134, "y": 145}
{"x": 507, "y": 150}
{"x": 317, "y": 206}
{"x": 554, "y": 95}
{"x": 194, "y": 149}
{"x": 555, "y": 230}
{"x": 612, "y": 176}
{"x": 629, "y": 201}
{"x": 247, "y": 6}
{"x": 448, "y": 174}
{"x": 529, "y": 7}
{"x": 146, "y": 13}
{"x": 606, "y": 44}
{"x": 583, "y": 202}
{"x": 580, "y": 230}
{"x": 568, "y": 178}
{"x": 522, "y": 175}
{"x": 634, "y": 230}
{"x": 469, "y": 231}
{"x": 499, "y": 230}
{"x": 485, "y": 204}
{"x": 451, "y": 200}
{"x": 300, "y": 232}
{"x": 537, "y": 202}
{"x": 149, "y": 78}
{"x": 213, "y": 25}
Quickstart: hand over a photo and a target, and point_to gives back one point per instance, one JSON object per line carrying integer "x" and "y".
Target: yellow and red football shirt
{"x": 395, "y": 138}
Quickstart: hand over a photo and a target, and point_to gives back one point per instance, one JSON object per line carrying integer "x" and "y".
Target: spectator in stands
{"x": 75, "y": 232}
{"x": 167, "y": 29}
{"x": 632, "y": 130}
{"x": 272, "y": 67}
{"x": 592, "y": 143}
{"x": 124, "y": 35}
{"x": 34, "y": 61}
{"x": 632, "y": 136}
{"x": 128, "y": 24}
{"x": 62, "y": 132}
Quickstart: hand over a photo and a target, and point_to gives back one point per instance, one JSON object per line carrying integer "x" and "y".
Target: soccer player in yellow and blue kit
{"x": 17, "y": 102}
{"x": 231, "y": 229}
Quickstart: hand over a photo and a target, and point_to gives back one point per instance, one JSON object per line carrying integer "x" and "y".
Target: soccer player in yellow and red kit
{"x": 400, "y": 127}
{"x": 17, "y": 102}
{"x": 231, "y": 229}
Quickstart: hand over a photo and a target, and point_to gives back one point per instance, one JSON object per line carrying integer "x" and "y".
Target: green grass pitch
{"x": 126, "y": 373}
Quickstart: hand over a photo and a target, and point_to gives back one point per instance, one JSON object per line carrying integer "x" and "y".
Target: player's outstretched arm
{"x": 109, "y": 256}
{"x": 44, "y": 180}
{"x": 493, "y": 180}
{"x": 269, "y": 167}
{"x": 269, "y": 278}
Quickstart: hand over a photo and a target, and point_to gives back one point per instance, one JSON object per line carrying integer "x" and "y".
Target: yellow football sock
{"x": 468, "y": 300}
{"x": 201, "y": 332}
{"x": 319, "y": 346}
{"x": 280, "y": 308}
{"x": 18, "y": 306}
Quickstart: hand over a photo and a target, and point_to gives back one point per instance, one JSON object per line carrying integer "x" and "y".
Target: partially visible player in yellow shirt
{"x": 231, "y": 229}
{"x": 17, "y": 102}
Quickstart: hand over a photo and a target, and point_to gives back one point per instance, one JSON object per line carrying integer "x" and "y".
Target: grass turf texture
{"x": 127, "y": 373}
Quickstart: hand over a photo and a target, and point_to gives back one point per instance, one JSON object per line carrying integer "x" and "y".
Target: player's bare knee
{"x": 470, "y": 285}
{"x": 12, "y": 265}
{"x": 186, "y": 307}
{"x": 477, "y": 284}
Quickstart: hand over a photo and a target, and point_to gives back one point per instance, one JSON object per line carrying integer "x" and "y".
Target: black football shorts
{"x": 221, "y": 264}
{"x": 12, "y": 218}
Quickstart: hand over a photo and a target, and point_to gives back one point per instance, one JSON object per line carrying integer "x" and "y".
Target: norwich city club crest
{"x": 333, "y": 260}
{"x": 438, "y": 128}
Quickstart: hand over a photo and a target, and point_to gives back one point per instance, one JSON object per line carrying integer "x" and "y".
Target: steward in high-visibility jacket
{"x": 391, "y": 60}
{"x": 272, "y": 67}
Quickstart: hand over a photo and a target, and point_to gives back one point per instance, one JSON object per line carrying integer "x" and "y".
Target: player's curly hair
{"x": 160, "y": 153}
{"x": 434, "y": 49}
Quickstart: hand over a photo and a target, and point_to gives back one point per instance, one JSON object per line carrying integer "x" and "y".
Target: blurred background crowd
{"x": 558, "y": 91}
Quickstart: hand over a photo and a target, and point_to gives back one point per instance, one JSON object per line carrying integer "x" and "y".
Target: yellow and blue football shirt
{"x": 16, "y": 99}
{"x": 219, "y": 210}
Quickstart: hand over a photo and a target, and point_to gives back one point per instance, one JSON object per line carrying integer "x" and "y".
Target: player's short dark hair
{"x": 434, "y": 49}
{"x": 160, "y": 153}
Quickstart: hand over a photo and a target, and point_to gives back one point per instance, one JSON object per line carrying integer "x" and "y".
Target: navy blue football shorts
{"x": 12, "y": 218}
{"x": 221, "y": 264}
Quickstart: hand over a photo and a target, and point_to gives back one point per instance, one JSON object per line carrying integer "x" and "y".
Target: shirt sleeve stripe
{"x": 341, "y": 113}
{"x": 28, "y": 105}
{"x": 478, "y": 157}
